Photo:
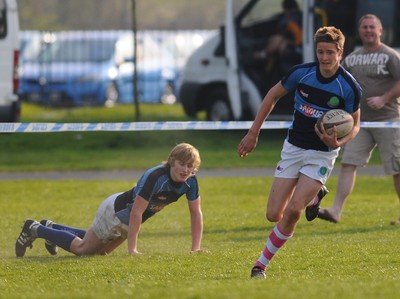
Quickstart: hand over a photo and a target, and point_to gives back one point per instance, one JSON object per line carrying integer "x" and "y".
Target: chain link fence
{"x": 93, "y": 67}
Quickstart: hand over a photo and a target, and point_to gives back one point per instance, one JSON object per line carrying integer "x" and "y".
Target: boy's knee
{"x": 273, "y": 216}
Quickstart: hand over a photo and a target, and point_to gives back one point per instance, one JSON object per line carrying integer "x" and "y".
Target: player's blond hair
{"x": 330, "y": 34}
{"x": 185, "y": 153}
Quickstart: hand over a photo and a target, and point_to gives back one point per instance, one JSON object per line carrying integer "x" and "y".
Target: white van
{"x": 222, "y": 77}
{"x": 10, "y": 105}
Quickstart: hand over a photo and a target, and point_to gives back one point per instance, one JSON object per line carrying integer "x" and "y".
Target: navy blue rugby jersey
{"x": 313, "y": 96}
{"x": 157, "y": 187}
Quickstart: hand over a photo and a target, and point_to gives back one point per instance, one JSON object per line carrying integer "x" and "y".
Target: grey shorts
{"x": 106, "y": 225}
{"x": 359, "y": 150}
{"x": 317, "y": 165}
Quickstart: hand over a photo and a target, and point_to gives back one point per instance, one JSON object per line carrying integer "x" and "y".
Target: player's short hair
{"x": 329, "y": 34}
{"x": 186, "y": 153}
{"x": 370, "y": 16}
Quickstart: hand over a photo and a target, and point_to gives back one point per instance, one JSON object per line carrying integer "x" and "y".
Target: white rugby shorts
{"x": 317, "y": 165}
{"x": 106, "y": 225}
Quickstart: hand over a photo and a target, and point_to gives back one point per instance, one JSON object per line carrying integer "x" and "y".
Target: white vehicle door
{"x": 232, "y": 62}
{"x": 10, "y": 105}
{"x": 308, "y": 31}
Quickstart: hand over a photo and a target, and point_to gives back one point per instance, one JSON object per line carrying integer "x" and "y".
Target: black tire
{"x": 218, "y": 107}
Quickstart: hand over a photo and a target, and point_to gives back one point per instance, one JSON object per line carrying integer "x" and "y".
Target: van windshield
{"x": 79, "y": 50}
{"x": 263, "y": 10}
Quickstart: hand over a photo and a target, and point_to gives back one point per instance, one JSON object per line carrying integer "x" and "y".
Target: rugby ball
{"x": 336, "y": 117}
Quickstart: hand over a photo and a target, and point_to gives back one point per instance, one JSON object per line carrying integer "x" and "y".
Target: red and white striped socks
{"x": 275, "y": 241}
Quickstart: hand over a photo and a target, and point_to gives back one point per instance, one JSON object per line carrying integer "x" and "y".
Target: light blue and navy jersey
{"x": 157, "y": 187}
{"x": 313, "y": 95}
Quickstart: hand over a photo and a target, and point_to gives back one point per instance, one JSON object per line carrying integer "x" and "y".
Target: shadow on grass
{"x": 340, "y": 230}
{"x": 246, "y": 233}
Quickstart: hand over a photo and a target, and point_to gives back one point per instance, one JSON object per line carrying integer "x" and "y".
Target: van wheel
{"x": 218, "y": 108}
{"x": 112, "y": 95}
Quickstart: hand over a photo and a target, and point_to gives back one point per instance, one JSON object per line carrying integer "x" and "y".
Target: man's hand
{"x": 376, "y": 103}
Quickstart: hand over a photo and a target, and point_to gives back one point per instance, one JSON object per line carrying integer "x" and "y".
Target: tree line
{"x": 53, "y": 15}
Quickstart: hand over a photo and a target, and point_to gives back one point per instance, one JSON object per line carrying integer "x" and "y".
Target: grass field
{"x": 357, "y": 258}
{"x": 126, "y": 150}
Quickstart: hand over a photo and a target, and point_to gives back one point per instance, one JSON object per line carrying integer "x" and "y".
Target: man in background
{"x": 376, "y": 67}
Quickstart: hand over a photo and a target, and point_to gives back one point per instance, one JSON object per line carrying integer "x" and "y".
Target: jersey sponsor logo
{"x": 310, "y": 111}
{"x": 156, "y": 208}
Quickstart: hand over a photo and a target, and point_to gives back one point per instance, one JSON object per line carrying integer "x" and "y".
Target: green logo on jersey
{"x": 333, "y": 102}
